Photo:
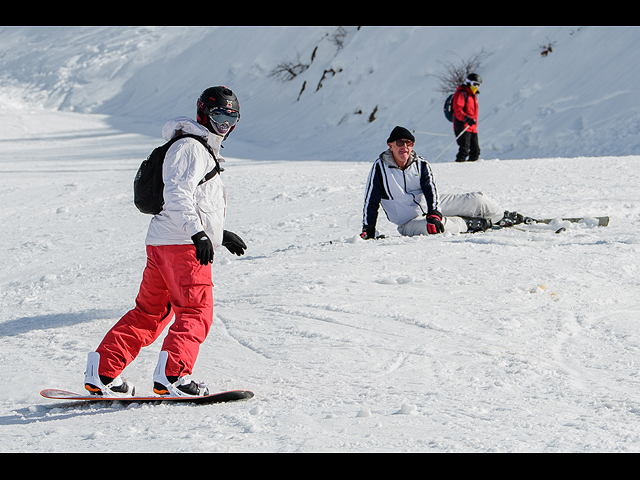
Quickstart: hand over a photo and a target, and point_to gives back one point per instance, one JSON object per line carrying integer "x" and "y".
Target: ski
{"x": 602, "y": 221}
{"x": 220, "y": 397}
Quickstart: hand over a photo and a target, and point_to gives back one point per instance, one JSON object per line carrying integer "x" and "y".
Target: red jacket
{"x": 465, "y": 104}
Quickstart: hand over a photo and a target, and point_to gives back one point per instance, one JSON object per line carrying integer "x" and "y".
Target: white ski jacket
{"x": 188, "y": 207}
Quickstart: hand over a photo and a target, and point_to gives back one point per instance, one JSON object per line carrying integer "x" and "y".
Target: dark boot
{"x": 477, "y": 224}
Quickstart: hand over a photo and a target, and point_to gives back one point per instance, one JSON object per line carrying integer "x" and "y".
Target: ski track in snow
{"x": 503, "y": 341}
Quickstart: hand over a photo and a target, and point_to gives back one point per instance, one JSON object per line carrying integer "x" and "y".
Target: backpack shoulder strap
{"x": 217, "y": 169}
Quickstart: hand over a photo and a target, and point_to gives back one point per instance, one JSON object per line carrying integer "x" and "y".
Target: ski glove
{"x": 204, "y": 248}
{"x": 233, "y": 243}
{"x": 469, "y": 121}
{"x": 434, "y": 223}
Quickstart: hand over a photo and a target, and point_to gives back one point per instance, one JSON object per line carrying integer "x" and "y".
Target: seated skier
{"x": 403, "y": 183}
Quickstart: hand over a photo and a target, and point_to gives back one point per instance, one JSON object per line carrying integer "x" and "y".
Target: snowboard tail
{"x": 220, "y": 397}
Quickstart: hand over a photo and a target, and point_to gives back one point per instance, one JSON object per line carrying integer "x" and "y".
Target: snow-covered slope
{"x": 578, "y": 100}
{"x": 519, "y": 341}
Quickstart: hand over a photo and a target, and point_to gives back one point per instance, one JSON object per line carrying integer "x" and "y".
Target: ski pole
{"x": 431, "y": 133}
{"x": 454, "y": 140}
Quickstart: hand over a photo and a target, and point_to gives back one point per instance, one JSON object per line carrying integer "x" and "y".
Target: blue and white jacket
{"x": 404, "y": 194}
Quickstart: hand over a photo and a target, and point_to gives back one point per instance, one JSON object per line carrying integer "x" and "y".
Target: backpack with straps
{"x": 148, "y": 185}
{"x": 448, "y": 106}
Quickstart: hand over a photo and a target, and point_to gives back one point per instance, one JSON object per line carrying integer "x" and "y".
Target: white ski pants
{"x": 453, "y": 206}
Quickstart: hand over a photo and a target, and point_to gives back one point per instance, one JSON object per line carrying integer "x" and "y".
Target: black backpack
{"x": 148, "y": 184}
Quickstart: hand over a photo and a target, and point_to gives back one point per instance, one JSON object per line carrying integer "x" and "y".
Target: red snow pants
{"x": 173, "y": 282}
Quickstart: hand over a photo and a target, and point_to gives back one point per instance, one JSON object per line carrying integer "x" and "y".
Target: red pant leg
{"x": 172, "y": 276}
{"x": 139, "y": 327}
{"x": 191, "y": 296}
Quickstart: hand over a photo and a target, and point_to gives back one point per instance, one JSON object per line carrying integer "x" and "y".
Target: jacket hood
{"x": 181, "y": 125}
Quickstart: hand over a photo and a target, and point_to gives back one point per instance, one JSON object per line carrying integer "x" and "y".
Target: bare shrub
{"x": 288, "y": 70}
{"x": 456, "y": 74}
{"x": 338, "y": 37}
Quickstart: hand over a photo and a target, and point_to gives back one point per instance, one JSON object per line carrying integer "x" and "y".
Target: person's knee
{"x": 487, "y": 206}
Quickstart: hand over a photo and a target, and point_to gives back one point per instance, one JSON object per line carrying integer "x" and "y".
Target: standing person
{"x": 180, "y": 246}
{"x": 403, "y": 183}
{"x": 465, "y": 114}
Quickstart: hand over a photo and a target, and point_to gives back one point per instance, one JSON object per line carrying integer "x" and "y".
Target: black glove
{"x": 204, "y": 249}
{"x": 368, "y": 232}
{"x": 233, "y": 243}
{"x": 469, "y": 121}
{"x": 434, "y": 223}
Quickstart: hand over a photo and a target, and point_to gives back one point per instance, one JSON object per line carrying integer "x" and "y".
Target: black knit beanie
{"x": 400, "y": 132}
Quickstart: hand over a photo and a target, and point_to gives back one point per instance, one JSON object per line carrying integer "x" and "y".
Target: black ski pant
{"x": 468, "y": 145}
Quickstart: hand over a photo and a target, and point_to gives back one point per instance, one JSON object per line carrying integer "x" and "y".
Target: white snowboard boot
{"x": 175, "y": 386}
{"x": 100, "y": 385}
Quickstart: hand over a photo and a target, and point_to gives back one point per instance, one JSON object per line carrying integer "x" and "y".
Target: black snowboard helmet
{"x": 218, "y": 110}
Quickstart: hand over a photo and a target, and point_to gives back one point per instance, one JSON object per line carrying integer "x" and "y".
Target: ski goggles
{"x": 222, "y": 116}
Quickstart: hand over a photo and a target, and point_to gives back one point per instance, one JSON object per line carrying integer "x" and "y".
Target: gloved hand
{"x": 434, "y": 223}
{"x": 368, "y": 232}
{"x": 204, "y": 248}
{"x": 469, "y": 121}
{"x": 233, "y": 243}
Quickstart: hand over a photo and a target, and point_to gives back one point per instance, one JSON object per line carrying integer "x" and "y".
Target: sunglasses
{"x": 400, "y": 143}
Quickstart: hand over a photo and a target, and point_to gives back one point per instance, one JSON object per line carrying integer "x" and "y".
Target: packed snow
{"x": 517, "y": 340}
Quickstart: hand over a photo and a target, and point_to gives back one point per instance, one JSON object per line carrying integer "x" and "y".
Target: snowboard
{"x": 220, "y": 397}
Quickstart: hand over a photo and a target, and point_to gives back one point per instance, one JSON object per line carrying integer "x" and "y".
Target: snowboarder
{"x": 403, "y": 183}
{"x": 180, "y": 246}
{"x": 465, "y": 114}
